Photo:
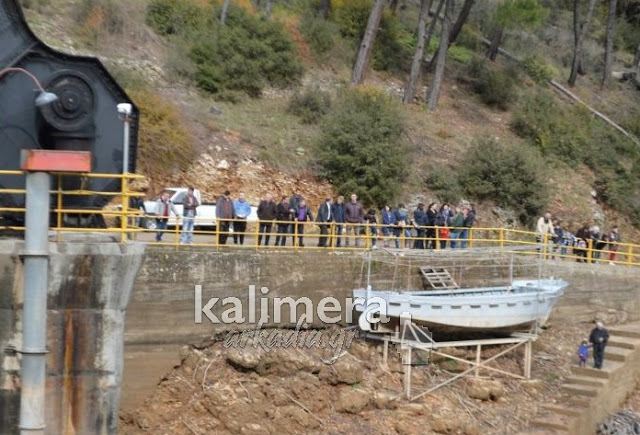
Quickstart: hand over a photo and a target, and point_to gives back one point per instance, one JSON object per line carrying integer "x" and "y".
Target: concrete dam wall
{"x": 89, "y": 289}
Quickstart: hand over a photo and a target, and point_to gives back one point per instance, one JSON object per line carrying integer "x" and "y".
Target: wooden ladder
{"x": 438, "y": 278}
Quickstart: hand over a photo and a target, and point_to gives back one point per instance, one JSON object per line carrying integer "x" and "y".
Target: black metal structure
{"x": 84, "y": 117}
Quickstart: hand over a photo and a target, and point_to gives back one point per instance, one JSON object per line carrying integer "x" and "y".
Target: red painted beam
{"x": 55, "y": 161}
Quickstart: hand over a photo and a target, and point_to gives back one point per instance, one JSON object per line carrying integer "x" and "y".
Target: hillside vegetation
{"x": 265, "y": 88}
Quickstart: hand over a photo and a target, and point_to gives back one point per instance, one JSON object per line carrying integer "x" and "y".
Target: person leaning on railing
{"x": 189, "y": 207}
{"x": 266, "y": 215}
{"x": 614, "y": 239}
{"x": 324, "y": 219}
{"x": 339, "y": 213}
{"x": 388, "y": 224}
{"x": 580, "y": 246}
{"x": 224, "y": 214}
{"x": 242, "y": 209}
{"x": 354, "y": 215}
{"x": 420, "y": 221}
{"x": 164, "y": 207}
{"x": 302, "y": 215}
{"x": 284, "y": 218}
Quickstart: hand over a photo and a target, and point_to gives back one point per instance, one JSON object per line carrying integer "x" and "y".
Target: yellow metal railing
{"x": 294, "y": 235}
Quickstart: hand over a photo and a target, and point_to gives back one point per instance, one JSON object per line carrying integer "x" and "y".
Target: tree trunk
{"x": 393, "y": 6}
{"x": 636, "y": 59}
{"x": 432, "y": 24}
{"x": 496, "y": 40}
{"x": 225, "y": 10}
{"x": 324, "y": 9}
{"x": 455, "y": 30}
{"x": 434, "y": 91}
{"x": 462, "y": 18}
{"x": 369, "y": 38}
{"x": 416, "y": 65}
{"x": 608, "y": 50}
{"x": 267, "y": 9}
{"x": 579, "y": 33}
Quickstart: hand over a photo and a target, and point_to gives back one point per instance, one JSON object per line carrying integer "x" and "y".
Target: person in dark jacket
{"x": 284, "y": 218}
{"x": 266, "y": 215}
{"x": 302, "y": 215}
{"x": 420, "y": 221}
{"x": 430, "y": 233}
{"x": 324, "y": 219}
{"x": 388, "y": 223}
{"x": 443, "y": 222}
{"x": 224, "y": 213}
{"x": 294, "y": 202}
{"x": 580, "y": 244}
{"x": 372, "y": 224}
{"x": 598, "y": 339}
{"x": 354, "y": 215}
{"x": 469, "y": 220}
{"x": 338, "y": 212}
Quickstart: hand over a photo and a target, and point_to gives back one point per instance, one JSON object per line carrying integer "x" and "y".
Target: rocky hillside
{"x": 194, "y": 133}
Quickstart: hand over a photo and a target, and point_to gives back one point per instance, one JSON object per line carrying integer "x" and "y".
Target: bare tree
{"x": 366, "y": 46}
{"x": 225, "y": 10}
{"x": 434, "y": 91}
{"x": 416, "y": 65}
{"x": 432, "y": 24}
{"x": 324, "y": 9}
{"x": 608, "y": 49}
{"x": 393, "y": 6}
{"x": 579, "y": 33}
{"x": 462, "y": 18}
{"x": 457, "y": 27}
{"x": 636, "y": 59}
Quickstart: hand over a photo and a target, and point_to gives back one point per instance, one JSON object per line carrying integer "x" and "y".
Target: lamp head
{"x": 124, "y": 109}
{"x": 44, "y": 98}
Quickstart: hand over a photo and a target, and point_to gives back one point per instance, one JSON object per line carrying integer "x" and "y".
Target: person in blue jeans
{"x": 189, "y": 206}
{"x": 164, "y": 208}
{"x": 469, "y": 218}
{"x": 457, "y": 221}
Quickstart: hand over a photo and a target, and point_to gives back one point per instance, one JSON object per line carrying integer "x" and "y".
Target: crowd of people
{"x": 341, "y": 223}
{"x": 587, "y": 238}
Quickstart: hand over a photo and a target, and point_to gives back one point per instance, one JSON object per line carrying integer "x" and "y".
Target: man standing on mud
{"x": 598, "y": 338}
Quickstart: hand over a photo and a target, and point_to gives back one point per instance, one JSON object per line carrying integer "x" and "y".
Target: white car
{"x": 206, "y": 217}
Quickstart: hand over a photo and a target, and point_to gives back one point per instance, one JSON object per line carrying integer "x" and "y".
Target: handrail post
{"x": 256, "y": 234}
{"x": 630, "y": 255}
{"x": 437, "y": 243}
{"x": 332, "y": 240}
{"x": 125, "y": 210}
{"x": 589, "y": 250}
{"x": 59, "y": 213}
{"x": 367, "y": 235}
{"x": 295, "y": 235}
{"x": 501, "y": 237}
{"x": 470, "y": 237}
{"x": 216, "y": 234}
{"x": 544, "y": 246}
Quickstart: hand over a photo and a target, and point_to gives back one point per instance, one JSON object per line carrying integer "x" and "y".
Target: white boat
{"x": 523, "y": 304}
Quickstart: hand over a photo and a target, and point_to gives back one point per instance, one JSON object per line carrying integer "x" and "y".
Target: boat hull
{"x": 517, "y": 307}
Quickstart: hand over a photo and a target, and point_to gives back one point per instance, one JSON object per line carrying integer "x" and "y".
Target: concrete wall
{"x": 162, "y": 306}
{"x": 89, "y": 288}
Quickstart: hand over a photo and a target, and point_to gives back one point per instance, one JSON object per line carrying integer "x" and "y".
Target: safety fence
{"x": 71, "y": 206}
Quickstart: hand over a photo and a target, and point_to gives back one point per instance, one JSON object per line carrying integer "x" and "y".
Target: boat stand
{"x": 413, "y": 336}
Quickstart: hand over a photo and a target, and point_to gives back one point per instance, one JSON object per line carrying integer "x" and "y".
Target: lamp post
{"x": 36, "y": 282}
{"x": 124, "y": 111}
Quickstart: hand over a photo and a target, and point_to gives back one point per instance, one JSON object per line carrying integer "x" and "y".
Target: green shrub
{"x": 361, "y": 146}
{"x": 444, "y": 182}
{"x": 511, "y": 176}
{"x": 171, "y": 17}
{"x": 310, "y": 105}
{"x": 318, "y": 33}
{"x": 244, "y": 55}
{"x": 496, "y": 86}
{"x": 470, "y": 37}
{"x": 538, "y": 70}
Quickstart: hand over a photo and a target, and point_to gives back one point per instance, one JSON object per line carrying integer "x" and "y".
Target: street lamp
{"x": 124, "y": 111}
{"x": 43, "y": 97}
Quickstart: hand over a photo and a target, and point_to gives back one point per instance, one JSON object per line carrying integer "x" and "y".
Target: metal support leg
{"x": 385, "y": 353}
{"x": 34, "y": 312}
{"x": 476, "y": 373}
{"x": 527, "y": 360}
{"x": 406, "y": 361}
